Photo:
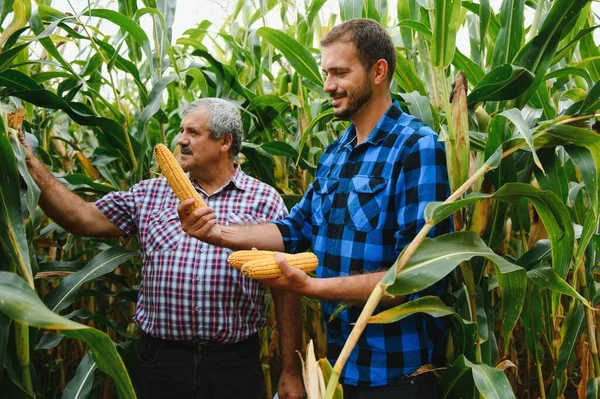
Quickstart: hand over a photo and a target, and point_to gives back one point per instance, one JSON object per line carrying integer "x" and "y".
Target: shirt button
{"x": 197, "y": 308}
{"x": 198, "y": 278}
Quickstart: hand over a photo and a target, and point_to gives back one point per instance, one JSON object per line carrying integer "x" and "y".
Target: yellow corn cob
{"x": 176, "y": 178}
{"x": 260, "y": 269}
{"x": 15, "y": 118}
{"x": 237, "y": 259}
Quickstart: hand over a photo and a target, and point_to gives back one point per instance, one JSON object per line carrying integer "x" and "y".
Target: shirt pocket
{"x": 164, "y": 231}
{"x": 323, "y": 192}
{"x": 365, "y": 201}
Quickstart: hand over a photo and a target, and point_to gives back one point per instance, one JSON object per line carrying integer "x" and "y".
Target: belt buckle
{"x": 202, "y": 346}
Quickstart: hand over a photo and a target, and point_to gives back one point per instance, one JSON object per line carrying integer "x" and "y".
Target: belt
{"x": 199, "y": 345}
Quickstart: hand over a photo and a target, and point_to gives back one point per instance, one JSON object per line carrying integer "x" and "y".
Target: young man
{"x": 364, "y": 206}
{"x": 199, "y": 317}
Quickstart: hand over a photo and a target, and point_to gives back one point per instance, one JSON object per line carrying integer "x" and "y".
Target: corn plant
{"x": 522, "y": 154}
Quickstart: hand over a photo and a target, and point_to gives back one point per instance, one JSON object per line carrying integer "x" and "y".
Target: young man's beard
{"x": 355, "y": 101}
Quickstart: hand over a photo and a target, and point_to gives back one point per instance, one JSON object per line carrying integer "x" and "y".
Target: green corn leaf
{"x": 128, "y": 25}
{"x": 490, "y": 382}
{"x": 280, "y": 148}
{"x": 545, "y": 277}
{"x": 589, "y": 50}
{"x": 436, "y": 258}
{"x": 562, "y": 135}
{"x": 38, "y": 28}
{"x": 350, "y": 9}
{"x": 49, "y": 341}
{"x": 198, "y": 77}
{"x": 553, "y": 178}
{"x": 81, "y": 384}
{"x": 510, "y": 37}
{"x": 587, "y": 164}
{"x": 26, "y": 90}
{"x": 431, "y": 305}
{"x": 485, "y": 14}
{"x": 163, "y": 30}
{"x": 464, "y": 331}
{"x": 407, "y": 78}
{"x": 443, "y": 44}
{"x": 12, "y": 229}
{"x": 566, "y": 50}
{"x": 407, "y": 10}
{"x": 537, "y": 55}
{"x": 19, "y": 302}
{"x": 105, "y": 262}
{"x": 418, "y": 106}
{"x": 593, "y": 388}
{"x": 591, "y": 103}
{"x": 553, "y": 213}
{"x": 533, "y": 322}
{"x": 78, "y": 182}
{"x": 516, "y": 118}
{"x": 572, "y": 327}
{"x": 298, "y": 56}
{"x": 568, "y": 71}
{"x": 504, "y": 82}
{"x": 473, "y": 71}
{"x": 154, "y": 103}
{"x": 126, "y": 66}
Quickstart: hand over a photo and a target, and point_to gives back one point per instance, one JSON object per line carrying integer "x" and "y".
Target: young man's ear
{"x": 381, "y": 70}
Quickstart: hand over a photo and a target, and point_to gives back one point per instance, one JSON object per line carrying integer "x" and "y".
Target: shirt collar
{"x": 238, "y": 179}
{"x": 380, "y": 131}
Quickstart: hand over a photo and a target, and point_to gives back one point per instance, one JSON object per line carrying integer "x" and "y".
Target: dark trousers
{"x": 423, "y": 386}
{"x": 169, "y": 369}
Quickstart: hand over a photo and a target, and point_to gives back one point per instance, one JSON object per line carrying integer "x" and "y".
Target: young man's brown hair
{"x": 371, "y": 40}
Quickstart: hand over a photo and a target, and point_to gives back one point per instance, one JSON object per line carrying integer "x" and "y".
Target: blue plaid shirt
{"x": 364, "y": 206}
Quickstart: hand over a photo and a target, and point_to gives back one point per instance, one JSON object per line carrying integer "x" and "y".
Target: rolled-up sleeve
{"x": 423, "y": 179}
{"x": 120, "y": 208}
{"x": 296, "y": 229}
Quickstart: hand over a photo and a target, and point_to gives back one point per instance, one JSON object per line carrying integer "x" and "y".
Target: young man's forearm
{"x": 355, "y": 289}
{"x": 261, "y": 236}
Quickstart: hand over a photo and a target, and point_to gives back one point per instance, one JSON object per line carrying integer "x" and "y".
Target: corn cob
{"x": 260, "y": 269}
{"x": 15, "y": 118}
{"x": 237, "y": 259}
{"x": 176, "y": 178}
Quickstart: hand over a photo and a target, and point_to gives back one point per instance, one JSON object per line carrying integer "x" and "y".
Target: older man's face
{"x": 199, "y": 151}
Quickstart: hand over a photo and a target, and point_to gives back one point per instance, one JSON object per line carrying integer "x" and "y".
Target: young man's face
{"x": 346, "y": 79}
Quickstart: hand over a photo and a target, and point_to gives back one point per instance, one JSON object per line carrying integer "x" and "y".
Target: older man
{"x": 364, "y": 206}
{"x": 199, "y": 317}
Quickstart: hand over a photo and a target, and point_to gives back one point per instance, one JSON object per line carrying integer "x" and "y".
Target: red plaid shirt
{"x": 188, "y": 290}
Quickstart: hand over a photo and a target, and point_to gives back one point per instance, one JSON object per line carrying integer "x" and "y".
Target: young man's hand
{"x": 200, "y": 224}
{"x": 293, "y": 279}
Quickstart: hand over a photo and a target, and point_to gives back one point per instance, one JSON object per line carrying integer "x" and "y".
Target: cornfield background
{"x": 523, "y": 152}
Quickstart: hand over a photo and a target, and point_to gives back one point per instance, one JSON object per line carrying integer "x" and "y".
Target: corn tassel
{"x": 176, "y": 177}
{"x": 237, "y": 259}
{"x": 264, "y": 268}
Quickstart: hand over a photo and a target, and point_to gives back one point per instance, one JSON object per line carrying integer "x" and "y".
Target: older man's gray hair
{"x": 223, "y": 118}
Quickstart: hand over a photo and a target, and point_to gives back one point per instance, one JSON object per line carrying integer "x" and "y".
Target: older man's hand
{"x": 200, "y": 224}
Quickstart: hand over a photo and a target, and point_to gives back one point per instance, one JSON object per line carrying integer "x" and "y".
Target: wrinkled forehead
{"x": 195, "y": 117}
